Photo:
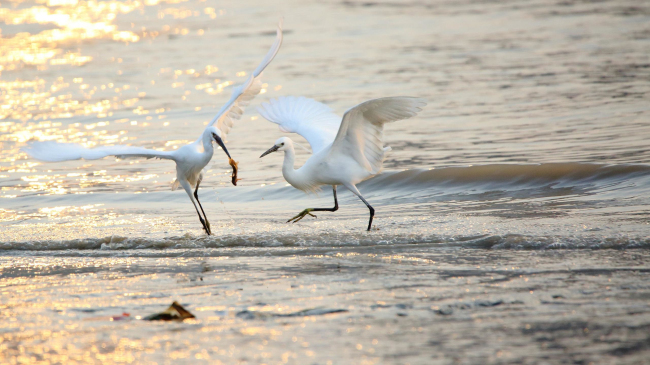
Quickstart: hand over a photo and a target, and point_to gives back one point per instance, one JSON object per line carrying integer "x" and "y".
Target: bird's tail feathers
{"x": 175, "y": 184}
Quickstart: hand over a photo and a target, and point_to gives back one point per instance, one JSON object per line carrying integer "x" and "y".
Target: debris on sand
{"x": 175, "y": 312}
{"x": 234, "y": 165}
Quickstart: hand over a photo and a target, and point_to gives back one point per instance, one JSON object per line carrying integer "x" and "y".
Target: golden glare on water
{"x": 74, "y": 20}
{"x": 532, "y": 126}
{"x": 100, "y": 73}
{"x": 40, "y": 42}
{"x": 59, "y": 82}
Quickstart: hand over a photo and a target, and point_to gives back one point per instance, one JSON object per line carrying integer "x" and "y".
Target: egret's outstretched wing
{"x": 244, "y": 93}
{"x": 313, "y": 120}
{"x": 362, "y": 129}
{"x": 51, "y": 151}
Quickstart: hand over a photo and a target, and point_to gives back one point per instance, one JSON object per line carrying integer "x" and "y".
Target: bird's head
{"x": 282, "y": 144}
{"x": 216, "y": 136}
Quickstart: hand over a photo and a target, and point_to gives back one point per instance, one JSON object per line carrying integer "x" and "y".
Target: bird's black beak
{"x": 272, "y": 149}
{"x": 220, "y": 143}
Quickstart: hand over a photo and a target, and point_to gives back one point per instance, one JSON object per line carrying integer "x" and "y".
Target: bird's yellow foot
{"x": 301, "y": 215}
{"x": 207, "y": 225}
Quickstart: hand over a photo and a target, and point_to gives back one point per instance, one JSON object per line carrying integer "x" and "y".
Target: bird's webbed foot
{"x": 206, "y": 226}
{"x": 301, "y": 215}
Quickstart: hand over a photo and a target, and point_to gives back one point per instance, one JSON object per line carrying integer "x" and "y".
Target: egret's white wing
{"x": 362, "y": 130}
{"x": 244, "y": 93}
{"x": 51, "y": 151}
{"x": 313, "y": 120}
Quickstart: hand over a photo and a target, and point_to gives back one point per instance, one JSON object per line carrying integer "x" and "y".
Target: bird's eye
{"x": 282, "y": 144}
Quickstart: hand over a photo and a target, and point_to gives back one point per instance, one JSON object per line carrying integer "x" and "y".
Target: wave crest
{"x": 167, "y": 246}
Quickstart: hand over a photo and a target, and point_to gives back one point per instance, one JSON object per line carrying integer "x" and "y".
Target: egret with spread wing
{"x": 345, "y": 150}
{"x": 190, "y": 159}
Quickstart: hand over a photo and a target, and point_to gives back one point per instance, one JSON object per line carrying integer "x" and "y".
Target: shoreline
{"x": 409, "y": 305}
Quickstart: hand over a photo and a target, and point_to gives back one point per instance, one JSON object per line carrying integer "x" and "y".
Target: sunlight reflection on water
{"x": 534, "y": 141}
{"x": 153, "y": 73}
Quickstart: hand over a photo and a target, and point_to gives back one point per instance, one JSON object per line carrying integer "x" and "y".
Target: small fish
{"x": 234, "y": 165}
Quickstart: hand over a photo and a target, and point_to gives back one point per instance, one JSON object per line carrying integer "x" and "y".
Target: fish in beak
{"x": 270, "y": 150}
{"x": 232, "y": 162}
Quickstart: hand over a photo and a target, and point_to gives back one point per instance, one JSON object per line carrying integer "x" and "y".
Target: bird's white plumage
{"x": 361, "y": 132}
{"x": 354, "y": 154}
{"x": 190, "y": 159}
{"x": 309, "y": 118}
{"x": 51, "y": 151}
{"x": 244, "y": 93}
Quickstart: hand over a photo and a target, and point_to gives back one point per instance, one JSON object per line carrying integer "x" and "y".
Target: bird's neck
{"x": 289, "y": 160}
{"x": 206, "y": 141}
{"x": 289, "y": 173}
{"x": 300, "y": 179}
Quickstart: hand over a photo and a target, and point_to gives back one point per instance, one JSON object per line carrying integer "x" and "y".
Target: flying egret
{"x": 190, "y": 159}
{"x": 345, "y": 150}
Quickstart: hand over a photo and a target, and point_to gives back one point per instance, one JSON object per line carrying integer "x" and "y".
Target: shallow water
{"x": 534, "y": 139}
{"x": 408, "y": 305}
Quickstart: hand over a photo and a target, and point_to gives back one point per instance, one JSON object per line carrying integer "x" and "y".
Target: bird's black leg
{"x": 205, "y": 227}
{"x": 356, "y": 192}
{"x": 188, "y": 189}
{"x": 308, "y": 211}
{"x": 372, "y": 211}
{"x": 206, "y": 224}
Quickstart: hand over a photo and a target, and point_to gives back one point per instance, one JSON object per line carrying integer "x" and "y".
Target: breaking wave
{"x": 518, "y": 197}
{"x": 510, "y": 174}
{"x": 294, "y": 243}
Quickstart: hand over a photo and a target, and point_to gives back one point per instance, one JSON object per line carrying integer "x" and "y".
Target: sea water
{"x": 534, "y": 143}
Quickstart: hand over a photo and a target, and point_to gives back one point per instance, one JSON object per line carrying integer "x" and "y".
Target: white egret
{"x": 345, "y": 150}
{"x": 190, "y": 159}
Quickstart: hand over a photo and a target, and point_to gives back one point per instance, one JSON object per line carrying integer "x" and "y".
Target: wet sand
{"x": 402, "y": 305}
